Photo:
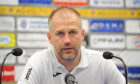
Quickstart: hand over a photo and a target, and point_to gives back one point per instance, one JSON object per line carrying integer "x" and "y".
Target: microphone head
{"x": 108, "y": 55}
{"x": 17, "y": 51}
{"x": 69, "y": 78}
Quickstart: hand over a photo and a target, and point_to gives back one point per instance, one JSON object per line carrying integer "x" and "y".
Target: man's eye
{"x": 60, "y": 33}
{"x": 73, "y": 32}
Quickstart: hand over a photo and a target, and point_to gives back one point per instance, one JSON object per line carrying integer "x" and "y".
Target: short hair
{"x": 63, "y": 7}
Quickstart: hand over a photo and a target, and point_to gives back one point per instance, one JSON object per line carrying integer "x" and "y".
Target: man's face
{"x": 66, "y": 36}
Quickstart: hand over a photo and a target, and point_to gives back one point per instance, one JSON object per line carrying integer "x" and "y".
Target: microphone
{"x": 109, "y": 55}
{"x": 70, "y": 79}
{"x": 15, "y": 52}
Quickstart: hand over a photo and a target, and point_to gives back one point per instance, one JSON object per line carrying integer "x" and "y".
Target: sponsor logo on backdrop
{"x": 9, "y": 2}
{"x": 136, "y": 42}
{"x": 136, "y": 2}
{"x": 133, "y": 3}
{"x": 133, "y": 72}
{"x": 23, "y": 24}
{"x": 36, "y": 1}
{"x": 36, "y": 40}
{"x": 112, "y": 13}
{"x": 71, "y": 2}
{"x": 133, "y": 26}
{"x": 107, "y": 41}
{"x": 107, "y": 26}
{"x": 22, "y": 10}
{"x": 121, "y": 69}
{"x": 8, "y": 73}
{"x": 32, "y": 24}
{"x": 7, "y": 23}
{"x": 107, "y": 3}
{"x": 10, "y": 9}
{"x": 101, "y": 13}
{"x": 95, "y": 1}
{"x": 7, "y": 40}
{"x": 133, "y": 41}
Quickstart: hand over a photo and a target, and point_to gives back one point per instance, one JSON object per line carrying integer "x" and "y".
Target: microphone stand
{"x": 125, "y": 67}
{"x": 109, "y": 55}
{"x": 15, "y": 52}
{"x": 3, "y": 65}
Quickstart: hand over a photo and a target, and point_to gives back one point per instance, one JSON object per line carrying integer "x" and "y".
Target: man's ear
{"x": 49, "y": 37}
{"x": 83, "y": 34}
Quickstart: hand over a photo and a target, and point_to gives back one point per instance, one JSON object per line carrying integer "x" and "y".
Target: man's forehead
{"x": 64, "y": 13}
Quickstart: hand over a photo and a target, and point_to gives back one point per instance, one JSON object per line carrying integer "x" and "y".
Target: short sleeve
{"x": 112, "y": 74}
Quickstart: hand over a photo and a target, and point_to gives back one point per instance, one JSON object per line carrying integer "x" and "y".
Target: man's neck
{"x": 70, "y": 64}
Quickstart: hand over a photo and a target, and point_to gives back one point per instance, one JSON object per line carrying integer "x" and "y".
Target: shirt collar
{"x": 84, "y": 61}
{"x": 54, "y": 59}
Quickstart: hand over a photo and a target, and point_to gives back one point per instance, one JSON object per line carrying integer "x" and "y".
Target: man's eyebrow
{"x": 59, "y": 31}
{"x": 74, "y": 30}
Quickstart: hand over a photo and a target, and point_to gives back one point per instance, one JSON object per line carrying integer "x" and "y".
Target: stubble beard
{"x": 69, "y": 58}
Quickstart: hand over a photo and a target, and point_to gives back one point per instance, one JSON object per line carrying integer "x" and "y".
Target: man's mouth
{"x": 67, "y": 50}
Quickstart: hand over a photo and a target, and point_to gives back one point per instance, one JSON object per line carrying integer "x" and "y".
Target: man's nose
{"x": 67, "y": 39}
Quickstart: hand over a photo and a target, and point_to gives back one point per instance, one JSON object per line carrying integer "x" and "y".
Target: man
{"x": 66, "y": 55}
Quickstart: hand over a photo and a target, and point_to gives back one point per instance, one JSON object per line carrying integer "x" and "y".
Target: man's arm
{"x": 113, "y": 75}
{"x": 30, "y": 74}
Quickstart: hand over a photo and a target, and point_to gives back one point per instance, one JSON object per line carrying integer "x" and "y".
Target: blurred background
{"x": 111, "y": 25}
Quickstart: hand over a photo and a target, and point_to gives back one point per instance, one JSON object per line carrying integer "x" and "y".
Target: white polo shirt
{"x": 44, "y": 68}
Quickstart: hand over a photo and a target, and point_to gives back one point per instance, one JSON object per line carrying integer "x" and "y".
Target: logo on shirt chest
{"x": 56, "y": 74}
